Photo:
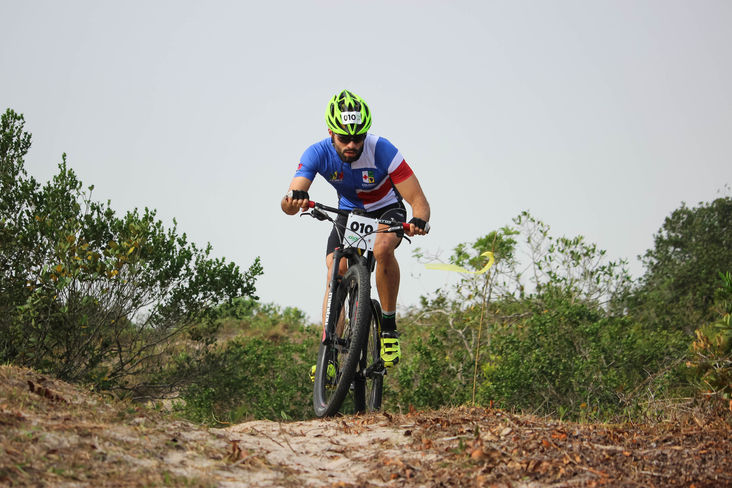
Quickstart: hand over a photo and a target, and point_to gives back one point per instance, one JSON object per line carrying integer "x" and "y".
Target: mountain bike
{"x": 349, "y": 356}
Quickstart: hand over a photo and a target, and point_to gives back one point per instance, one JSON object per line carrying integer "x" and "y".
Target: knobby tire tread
{"x": 369, "y": 391}
{"x": 357, "y": 284}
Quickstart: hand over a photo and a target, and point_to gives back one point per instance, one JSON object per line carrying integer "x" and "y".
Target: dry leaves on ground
{"x": 54, "y": 434}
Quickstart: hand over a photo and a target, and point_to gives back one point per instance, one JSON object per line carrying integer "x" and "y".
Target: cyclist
{"x": 370, "y": 175}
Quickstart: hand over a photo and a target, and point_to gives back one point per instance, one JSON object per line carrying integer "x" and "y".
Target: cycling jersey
{"x": 365, "y": 183}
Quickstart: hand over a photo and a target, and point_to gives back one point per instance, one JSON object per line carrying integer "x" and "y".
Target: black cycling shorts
{"x": 394, "y": 211}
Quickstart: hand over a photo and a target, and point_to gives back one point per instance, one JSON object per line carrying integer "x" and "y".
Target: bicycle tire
{"x": 369, "y": 381}
{"x": 352, "y": 297}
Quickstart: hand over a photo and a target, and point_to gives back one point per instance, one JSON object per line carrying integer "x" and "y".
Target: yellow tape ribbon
{"x": 459, "y": 269}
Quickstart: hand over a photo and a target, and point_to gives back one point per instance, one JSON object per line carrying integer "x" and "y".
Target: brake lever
{"x": 319, "y": 214}
{"x": 399, "y": 226}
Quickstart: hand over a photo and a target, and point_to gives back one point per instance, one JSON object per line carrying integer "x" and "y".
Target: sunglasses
{"x": 346, "y": 139}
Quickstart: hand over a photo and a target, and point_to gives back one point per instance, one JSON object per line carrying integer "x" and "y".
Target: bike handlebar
{"x": 393, "y": 223}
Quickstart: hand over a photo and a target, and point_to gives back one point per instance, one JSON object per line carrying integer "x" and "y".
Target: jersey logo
{"x": 368, "y": 177}
{"x": 336, "y": 176}
{"x": 299, "y": 166}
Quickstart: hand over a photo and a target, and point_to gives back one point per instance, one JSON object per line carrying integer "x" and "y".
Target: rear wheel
{"x": 339, "y": 354}
{"x": 369, "y": 381}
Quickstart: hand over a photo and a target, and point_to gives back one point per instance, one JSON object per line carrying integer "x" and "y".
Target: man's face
{"x": 349, "y": 148}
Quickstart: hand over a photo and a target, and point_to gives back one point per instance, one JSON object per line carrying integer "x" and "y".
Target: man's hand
{"x": 418, "y": 227}
{"x": 295, "y": 200}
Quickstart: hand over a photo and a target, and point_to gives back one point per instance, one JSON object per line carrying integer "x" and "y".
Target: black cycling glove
{"x": 298, "y": 195}
{"x": 419, "y": 223}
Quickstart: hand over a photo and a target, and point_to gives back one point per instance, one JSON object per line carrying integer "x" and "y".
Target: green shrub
{"x": 547, "y": 326}
{"x": 677, "y": 290}
{"x": 249, "y": 378}
{"x": 90, "y": 296}
{"x": 432, "y": 375}
{"x": 711, "y": 361}
{"x": 572, "y": 359}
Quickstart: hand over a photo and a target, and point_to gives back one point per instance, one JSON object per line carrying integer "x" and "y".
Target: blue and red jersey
{"x": 365, "y": 183}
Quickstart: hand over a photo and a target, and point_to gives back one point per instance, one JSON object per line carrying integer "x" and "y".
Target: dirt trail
{"x": 318, "y": 452}
{"x": 481, "y": 447}
{"x": 53, "y": 434}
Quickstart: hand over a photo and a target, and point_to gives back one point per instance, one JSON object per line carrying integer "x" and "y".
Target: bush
{"x": 90, "y": 296}
{"x": 677, "y": 290}
{"x": 571, "y": 359}
{"x": 547, "y": 325}
{"x": 258, "y": 369}
{"x": 432, "y": 375}
{"x": 249, "y": 378}
{"x": 711, "y": 361}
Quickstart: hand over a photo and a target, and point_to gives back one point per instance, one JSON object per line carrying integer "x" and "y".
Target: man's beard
{"x": 352, "y": 158}
{"x": 344, "y": 157}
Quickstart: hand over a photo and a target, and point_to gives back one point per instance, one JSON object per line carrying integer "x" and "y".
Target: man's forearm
{"x": 421, "y": 209}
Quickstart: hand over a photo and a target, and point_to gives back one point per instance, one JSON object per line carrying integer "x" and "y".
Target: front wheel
{"x": 340, "y": 351}
{"x": 369, "y": 381}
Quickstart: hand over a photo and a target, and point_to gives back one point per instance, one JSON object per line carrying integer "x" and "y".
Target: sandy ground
{"x": 55, "y": 434}
{"x": 318, "y": 452}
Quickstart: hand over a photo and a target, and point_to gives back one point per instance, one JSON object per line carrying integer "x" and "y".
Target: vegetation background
{"x": 125, "y": 305}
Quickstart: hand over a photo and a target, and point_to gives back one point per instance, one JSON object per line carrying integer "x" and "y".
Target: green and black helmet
{"x": 348, "y": 114}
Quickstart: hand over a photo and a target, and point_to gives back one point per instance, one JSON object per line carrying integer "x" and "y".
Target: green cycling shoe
{"x": 390, "y": 350}
{"x": 331, "y": 372}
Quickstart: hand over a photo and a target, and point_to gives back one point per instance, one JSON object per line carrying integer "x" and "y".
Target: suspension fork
{"x": 331, "y": 305}
{"x": 353, "y": 256}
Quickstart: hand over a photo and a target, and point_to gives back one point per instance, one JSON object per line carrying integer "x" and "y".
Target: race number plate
{"x": 351, "y": 117}
{"x": 360, "y": 232}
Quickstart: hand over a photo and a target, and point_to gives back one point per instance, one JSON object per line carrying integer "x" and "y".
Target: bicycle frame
{"x": 354, "y": 256}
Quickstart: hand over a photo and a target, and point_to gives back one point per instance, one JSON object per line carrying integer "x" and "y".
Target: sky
{"x": 598, "y": 117}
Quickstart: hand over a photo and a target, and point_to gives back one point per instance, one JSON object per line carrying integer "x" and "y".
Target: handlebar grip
{"x": 311, "y": 204}
{"x": 406, "y": 225}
